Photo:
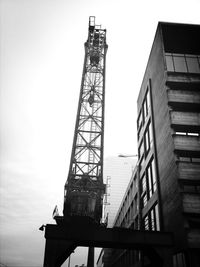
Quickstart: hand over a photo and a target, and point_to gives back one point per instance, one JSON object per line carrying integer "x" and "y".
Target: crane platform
{"x": 61, "y": 241}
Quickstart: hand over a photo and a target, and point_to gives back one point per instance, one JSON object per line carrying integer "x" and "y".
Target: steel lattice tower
{"x": 84, "y": 188}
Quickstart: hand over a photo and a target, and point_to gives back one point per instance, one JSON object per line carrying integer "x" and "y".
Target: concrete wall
{"x": 170, "y": 199}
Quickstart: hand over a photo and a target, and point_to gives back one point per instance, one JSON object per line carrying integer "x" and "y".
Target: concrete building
{"x": 117, "y": 173}
{"x": 164, "y": 191}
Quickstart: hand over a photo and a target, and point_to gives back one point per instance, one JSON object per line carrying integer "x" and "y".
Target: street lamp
{"x": 127, "y": 156}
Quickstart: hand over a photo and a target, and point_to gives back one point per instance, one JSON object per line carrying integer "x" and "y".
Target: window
{"x": 136, "y": 227}
{"x": 142, "y": 163}
{"x": 134, "y": 207}
{"x": 192, "y": 64}
{"x": 153, "y": 226}
{"x": 179, "y": 260}
{"x": 147, "y": 143}
{"x": 146, "y": 104}
{"x": 141, "y": 149}
{"x": 135, "y": 181}
{"x": 187, "y": 133}
{"x": 169, "y": 62}
{"x": 143, "y": 114}
{"x": 135, "y": 204}
{"x": 146, "y": 223}
{"x": 195, "y": 159}
{"x": 144, "y": 200}
{"x": 188, "y": 188}
{"x": 153, "y": 175}
{"x": 143, "y": 183}
{"x": 131, "y": 188}
{"x": 151, "y": 220}
{"x": 150, "y": 135}
{"x": 183, "y": 63}
{"x": 140, "y": 123}
{"x": 187, "y": 159}
{"x": 148, "y": 183}
{"x": 144, "y": 191}
{"x": 180, "y": 63}
{"x": 148, "y": 100}
{"x": 151, "y": 178}
{"x": 148, "y": 139}
{"x": 157, "y": 218}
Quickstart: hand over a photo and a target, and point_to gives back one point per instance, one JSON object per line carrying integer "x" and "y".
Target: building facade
{"x": 164, "y": 191}
{"x": 117, "y": 173}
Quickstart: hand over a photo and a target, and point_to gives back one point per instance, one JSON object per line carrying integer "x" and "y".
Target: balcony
{"x": 184, "y": 96}
{"x": 189, "y": 171}
{"x": 185, "y": 120}
{"x": 191, "y": 203}
{"x": 187, "y": 145}
{"x": 187, "y": 79}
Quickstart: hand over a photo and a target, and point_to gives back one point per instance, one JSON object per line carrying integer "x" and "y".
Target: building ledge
{"x": 191, "y": 203}
{"x": 193, "y": 237}
{"x": 175, "y": 78}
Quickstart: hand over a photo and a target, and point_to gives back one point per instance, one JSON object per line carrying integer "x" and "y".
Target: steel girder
{"x": 61, "y": 240}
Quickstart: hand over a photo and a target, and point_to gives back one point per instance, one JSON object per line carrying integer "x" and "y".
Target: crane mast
{"x": 84, "y": 188}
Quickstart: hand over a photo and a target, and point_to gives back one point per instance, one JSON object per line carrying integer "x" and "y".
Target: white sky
{"x": 41, "y": 60}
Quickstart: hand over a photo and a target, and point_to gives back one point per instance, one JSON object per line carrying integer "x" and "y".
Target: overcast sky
{"x": 41, "y": 60}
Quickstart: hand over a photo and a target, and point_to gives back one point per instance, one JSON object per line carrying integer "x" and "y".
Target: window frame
{"x": 171, "y": 63}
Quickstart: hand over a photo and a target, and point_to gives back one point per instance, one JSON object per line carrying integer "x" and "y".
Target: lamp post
{"x": 127, "y": 156}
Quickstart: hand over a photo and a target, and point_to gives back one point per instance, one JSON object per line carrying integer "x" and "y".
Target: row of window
{"x": 148, "y": 187}
{"x": 189, "y": 188}
{"x": 183, "y": 63}
{"x": 129, "y": 203}
{"x": 148, "y": 183}
{"x": 187, "y": 133}
{"x": 145, "y": 110}
{"x": 151, "y": 221}
{"x": 124, "y": 218}
{"x": 188, "y": 159}
{"x": 131, "y": 191}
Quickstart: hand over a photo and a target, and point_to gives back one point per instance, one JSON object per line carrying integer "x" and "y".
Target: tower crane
{"x": 84, "y": 188}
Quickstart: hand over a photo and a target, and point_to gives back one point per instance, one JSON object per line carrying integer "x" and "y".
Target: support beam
{"x": 90, "y": 259}
{"x": 57, "y": 251}
{"x": 61, "y": 240}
